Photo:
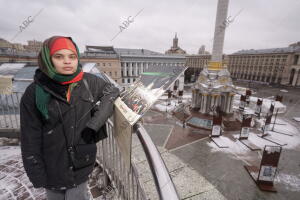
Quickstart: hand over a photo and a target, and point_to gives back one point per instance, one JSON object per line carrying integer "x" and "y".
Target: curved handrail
{"x": 163, "y": 182}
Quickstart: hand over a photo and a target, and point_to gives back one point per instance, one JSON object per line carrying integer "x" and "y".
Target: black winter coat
{"x": 43, "y": 145}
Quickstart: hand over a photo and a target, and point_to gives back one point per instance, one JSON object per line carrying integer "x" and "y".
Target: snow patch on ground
{"x": 234, "y": 147}
{"x": 291, "y": 182}
{"x": 297, "y": 119}
{"x": 163, "y": 107}
{"x": 237, "y": 148}
{"x": 9, "y": 151}
{"x": 284, "y": 90}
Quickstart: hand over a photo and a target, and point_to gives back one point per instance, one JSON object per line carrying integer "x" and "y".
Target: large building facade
{"x": 274, "y": 66}
{"x": 136, "y": 61}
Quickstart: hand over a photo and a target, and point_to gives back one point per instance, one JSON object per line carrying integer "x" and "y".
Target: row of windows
{"x": 257, "y": 57}
{"x": 250, "y": 61}
{"x": 196, "y": 62}
{"x": 128, "y": 80}
{"x": 104, "y": 64}
{"x": 110, "y": 73}
{"x": 133, "y": 64}
{"x": 276, "y": 68}
{"x": 273, "y": 78}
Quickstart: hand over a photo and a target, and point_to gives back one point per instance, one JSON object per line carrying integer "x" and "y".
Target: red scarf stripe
{"x": 75, "y": 79}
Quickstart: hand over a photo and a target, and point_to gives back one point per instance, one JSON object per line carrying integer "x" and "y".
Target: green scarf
{"x": 42, "y": 97}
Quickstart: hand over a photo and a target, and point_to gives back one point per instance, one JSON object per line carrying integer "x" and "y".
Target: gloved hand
{"x": 88, "y": 135}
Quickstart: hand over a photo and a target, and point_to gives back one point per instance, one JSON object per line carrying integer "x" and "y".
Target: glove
{"x": 88, "y": 135}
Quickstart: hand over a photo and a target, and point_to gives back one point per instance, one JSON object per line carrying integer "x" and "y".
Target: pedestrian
{"x": 62, "y": 115}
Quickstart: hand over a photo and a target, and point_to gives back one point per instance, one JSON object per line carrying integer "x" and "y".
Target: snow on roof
{"x": 11, "y": 68}
{"x": 25, "y": 73}
{"x": 289, "y": 49}
{"x": 126, "y": 51}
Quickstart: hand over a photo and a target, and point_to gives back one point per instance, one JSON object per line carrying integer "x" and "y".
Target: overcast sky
{"x": 260, "y": 24}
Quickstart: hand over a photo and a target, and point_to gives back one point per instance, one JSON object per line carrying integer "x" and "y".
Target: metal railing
{"x": 10, "y": 115}
{"x": 127, "y": 185}
{"x": 111, "y": 161}
{"x": 163, "y": 182}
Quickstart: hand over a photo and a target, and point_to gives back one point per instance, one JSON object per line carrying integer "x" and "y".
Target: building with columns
{"x": 136, "y": 61}
{"x": 274, "y": 66}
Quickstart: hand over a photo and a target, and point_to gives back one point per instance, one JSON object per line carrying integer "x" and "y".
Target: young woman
{"x": 63, "y": 114}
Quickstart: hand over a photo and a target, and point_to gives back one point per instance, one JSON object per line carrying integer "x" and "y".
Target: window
{"x": 109, "y": 73}
{"x": 296, "y": 58}
{"x": 109, "y": 64}
{"x": 123, "y": 81}
{"x": 103, "y": 64}
{"x": 116, "y": 73}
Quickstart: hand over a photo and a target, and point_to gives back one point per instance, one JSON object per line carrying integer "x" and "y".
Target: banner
{"x": 279, "y": 98}
{"x": 265, "y": 174}
{"x": 248, "y": 94}
{"x": 245, "y": 128}
{"x": 180, "y": 94}
{"x": 242, "y": 103}
{"x": 258, "y": 107}
{"x": 216, "y": 128}
{"x": 269, "y": 164}
{"x": 267, "y": 126}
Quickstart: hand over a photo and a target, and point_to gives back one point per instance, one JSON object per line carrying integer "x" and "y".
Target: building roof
{"x": 290, "y": 49}
{"x": 144, "y": 53}
{"x": 100, "y": 49}
{"x": 12, "y": 52}
{"x": 126, "y": 51}
{"x": 11, "y": 68}
{"x": 110, "y": 52}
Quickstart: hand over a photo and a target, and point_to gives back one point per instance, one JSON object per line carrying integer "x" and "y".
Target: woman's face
{"x": 65, "y": 61}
